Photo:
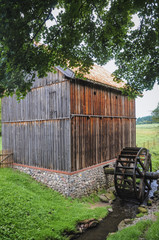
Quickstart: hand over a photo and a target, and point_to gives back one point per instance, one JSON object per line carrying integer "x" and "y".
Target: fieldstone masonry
{"x": 75, "y": 185}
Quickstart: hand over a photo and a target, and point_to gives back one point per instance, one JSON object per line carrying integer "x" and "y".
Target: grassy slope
{"x": 30, "y": 210}
{"x": 146, "y": 230}
{"x": 135, "y": 232}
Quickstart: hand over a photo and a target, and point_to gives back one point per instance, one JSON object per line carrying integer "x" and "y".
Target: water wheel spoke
{"x": 147, "y": 184}
{"x": 142, "y": 165}
{"x": 139, "y": 172}
{"x": 141, "y": 190}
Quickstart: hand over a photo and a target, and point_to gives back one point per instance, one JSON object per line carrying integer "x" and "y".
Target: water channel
{"x": 121, "y": 210}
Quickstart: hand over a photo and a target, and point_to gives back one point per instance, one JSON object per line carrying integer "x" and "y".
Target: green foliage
{"x": 132, "y": 232}
{"x": 30, "y": 210}
{"x": 155, "y": 114}
{"x": 144, "y": 120}
{"x": 138, "y": 60}
{"x": 84, "y": 32}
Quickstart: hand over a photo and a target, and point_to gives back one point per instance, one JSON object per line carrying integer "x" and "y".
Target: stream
{"x": 121, "y": 210}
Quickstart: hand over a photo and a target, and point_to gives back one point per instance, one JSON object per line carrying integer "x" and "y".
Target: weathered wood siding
{"x": 37, "y": 128}
{"x": 42, "y": 103}
{"x": 43, "y": 143}
{"x": 103, "y": 122}
{"x": 67, "y": 125}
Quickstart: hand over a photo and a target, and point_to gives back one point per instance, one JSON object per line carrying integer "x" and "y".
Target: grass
{"x": 146, "y": 132}
{"x": 146, "y": 230}
{"x": 133, "y": 232}
{"x": 30, "y": 210}
{"x": 0, "y": 118}
{"x": 0, "y": 143}
{"x": 153, "y": 231}
{"x": 147, "y": 135}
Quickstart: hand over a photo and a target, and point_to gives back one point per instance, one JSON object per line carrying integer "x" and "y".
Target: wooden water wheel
{"x": 131, "y": 173}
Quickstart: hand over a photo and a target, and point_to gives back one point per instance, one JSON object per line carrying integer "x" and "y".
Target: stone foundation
{"x": 76, "y": 184}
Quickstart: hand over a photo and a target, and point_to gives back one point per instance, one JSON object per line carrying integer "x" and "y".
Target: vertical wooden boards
{"x": 38, "y": 127}
{"x": 95, "y": 138}
{"x": 43, "y": 144}
{"x": 91, "y": 141}
{"x": 48, "y": 102}
{"x": 73, "y": 145}
{"x": 86, "y": 100}
{"x": 104, "y": 147}
{"x": 77, "y": 144}
{"x": 49, "y": 79}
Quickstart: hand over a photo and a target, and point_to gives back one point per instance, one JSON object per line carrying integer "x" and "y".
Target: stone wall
{"x": 76, "y": 184}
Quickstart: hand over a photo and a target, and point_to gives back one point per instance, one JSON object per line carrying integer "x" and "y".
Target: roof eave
{"x": 71, "y": 75}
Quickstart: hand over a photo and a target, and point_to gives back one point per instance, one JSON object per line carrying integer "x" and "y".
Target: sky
{"x": 149, "y": 101}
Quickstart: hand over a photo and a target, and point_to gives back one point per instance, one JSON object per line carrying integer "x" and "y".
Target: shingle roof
{"x": 97, "y": 74}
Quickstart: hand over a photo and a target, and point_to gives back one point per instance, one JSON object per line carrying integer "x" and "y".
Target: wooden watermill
{"x": 132, "y": 174}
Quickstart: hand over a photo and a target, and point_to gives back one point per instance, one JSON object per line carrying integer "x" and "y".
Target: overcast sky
{"x": 146, "y": 104}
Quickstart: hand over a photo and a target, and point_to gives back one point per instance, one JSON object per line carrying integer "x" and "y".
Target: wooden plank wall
{"x": 37, "y": 128}
{"x": 103, "y": 122}
{"x": 43, "y": 144}
{"x": 90, "y": 99}
{"x": 40, "y": 104}
{"x": 49, "y": 79}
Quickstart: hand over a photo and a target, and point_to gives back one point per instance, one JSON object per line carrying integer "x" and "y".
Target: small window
{"x": 94, "y": 92}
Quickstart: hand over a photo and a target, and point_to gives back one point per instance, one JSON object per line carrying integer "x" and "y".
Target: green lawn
{"x": 146, "y": 132}
{"x": 147, "y": 135}
{"x": 29, "y": 210}
{"x": 0, "y": 143}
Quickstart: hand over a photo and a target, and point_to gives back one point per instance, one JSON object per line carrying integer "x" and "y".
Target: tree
{"x": 144, "y": 120}
{"x": 83, "y": 33}
{"x": 155, "y": 114}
